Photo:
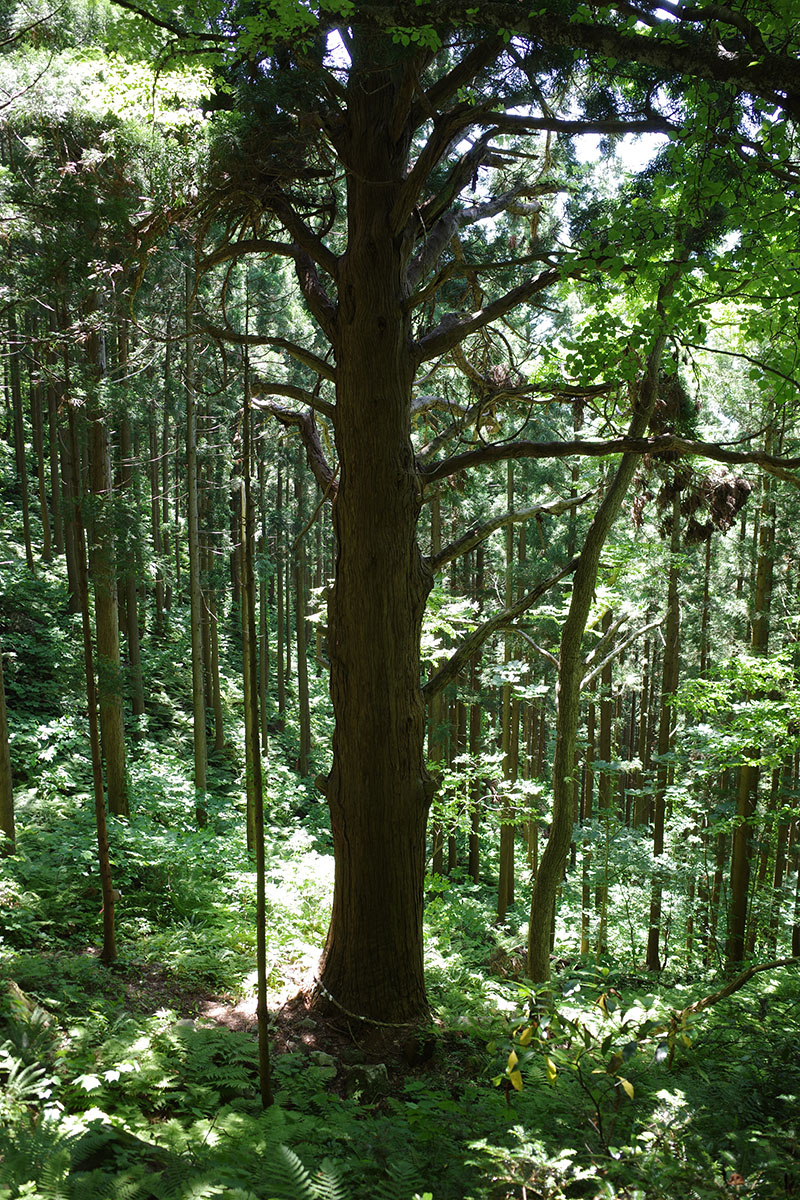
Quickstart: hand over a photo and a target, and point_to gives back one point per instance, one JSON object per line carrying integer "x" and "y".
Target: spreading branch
{"x": 451, "y": 669}
{"x": 304, "y": 237}
{"x": 452, "y": 329}
{"x": 733, "y": 986}
{"x": 479, "y": 533}
{"x": 523, "y": 633}
{"x": 307, "y": 357}
{"x": 240, "y": 249}
{"x": 261, "y": 387}
{"x": 617, "y": 651}
{"x": 173, "y": 27}
{"x": 666, "y": 443}
{"x": 315, "y": 455}
{"x": 444, "y": 230}
{"x": 317, "y": 299}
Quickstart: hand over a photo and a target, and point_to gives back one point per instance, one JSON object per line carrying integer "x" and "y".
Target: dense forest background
{"x": 399, "y": 600}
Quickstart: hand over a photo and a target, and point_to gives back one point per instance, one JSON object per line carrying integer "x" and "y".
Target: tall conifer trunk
{"x": 7, "y": 830}
{"x": 378, "y": 789}
{"x": 103, "y": 574}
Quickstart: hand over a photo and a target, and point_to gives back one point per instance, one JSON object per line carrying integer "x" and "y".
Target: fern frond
{"x": 290, "y": 1179}
{"x": 329, "y": 1182}
{"x": 402, "y": 1182}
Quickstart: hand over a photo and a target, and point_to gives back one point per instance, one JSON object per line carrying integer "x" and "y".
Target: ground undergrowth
{"x": 139, "y": 1080}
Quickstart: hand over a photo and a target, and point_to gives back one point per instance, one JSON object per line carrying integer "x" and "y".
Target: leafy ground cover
{"x": 140, "y": 1080}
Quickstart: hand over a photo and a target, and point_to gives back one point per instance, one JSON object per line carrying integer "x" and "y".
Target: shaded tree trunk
{"x": 505, "y": 884}
{"x": 749, "y": 773}
{"x": 570, "y": 663}
{"x": 102, "y": 570}
{"x": 7, "y": 829}
{"x": 15, "y": 380}
{"x": 304, "y": 711}
{"x": 109, "y": 951}
{"x": 669, "y": 683}
{"x": 195, "y": 591}
{"x": 378, "y": 789}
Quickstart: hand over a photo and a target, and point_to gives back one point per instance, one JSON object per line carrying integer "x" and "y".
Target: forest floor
{"x": 138, "y": 1081}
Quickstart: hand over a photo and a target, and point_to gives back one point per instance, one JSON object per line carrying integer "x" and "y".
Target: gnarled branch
{"x": 315, "y": 456}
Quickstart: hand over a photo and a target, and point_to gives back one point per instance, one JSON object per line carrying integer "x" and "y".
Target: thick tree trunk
{"x": 378, "y": 788}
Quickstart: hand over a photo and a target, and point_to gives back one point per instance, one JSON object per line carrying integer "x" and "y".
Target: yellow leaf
{"x": 525, "y": 1037}
{"x": 627, "y": 1087}
{"x": 512, "y": 1060}
{"x": 516, "y": 1081}
{"x": 552, "y": 1070}
{"x": 687, "y": 1041}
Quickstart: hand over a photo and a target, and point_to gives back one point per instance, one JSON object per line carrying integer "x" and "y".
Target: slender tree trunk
{"x": 7, "y": 830}
{"x": 669, "y": 683}
{"x": 586, "y": 817}
{"x": 109, "y": 951}
{"x": 216, "y": 691}
{"x": 155, "y": 514}
{"x": 475, "y": 724}
{"x": 15, "y": 379}
{"x": 749, "y": 773}
{"x": 250, "y": 702}
{"x": 250, "y": 666}
{"x": 263, "y": 608}
{"x": 53, "y": 447}
{"x": 102, "y": 569}
{"x": 303, "y": 704}
{"x": 166, "y": 458}
{"x": 781, "y": 849}
{"x": 130, "y": 564}
{"x": 505, "y": 884}
{"x": 570, "y": 668}
{"x": 279, "y": 604}
{"x": 436, "y": 710}
{"x": 604, "y": 787}
{"x": 715, "y": 899}
{"x": 37, "y": 426}
{"x": 195, "y": 592}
